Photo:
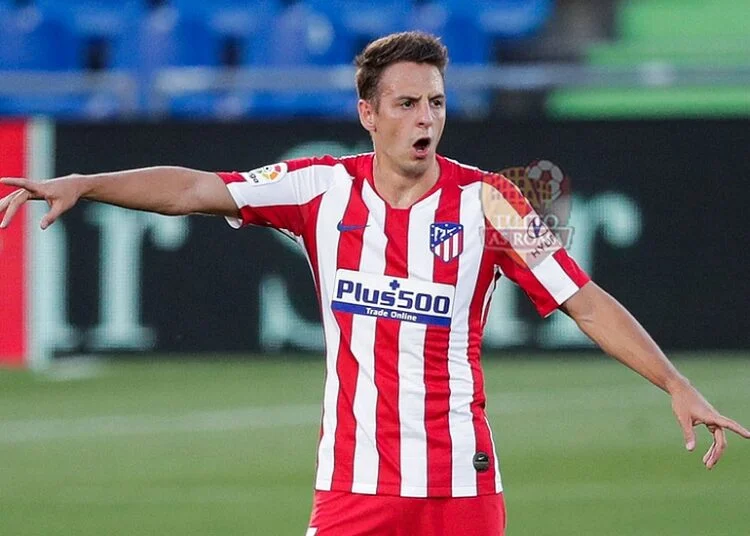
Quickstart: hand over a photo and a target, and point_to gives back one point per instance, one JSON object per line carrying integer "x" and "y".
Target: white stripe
{"x": 311, "y": 531}
{"x": 488, "y": 295}
{"x": 411, "y": 341}
{"x": 498, "y": 479}
{"x": 366, "y": 459}
{"x": 460, "y": 419}
{"x": 331, "y": 211}
{"x": 554, "y": 279}
{"x": 295, "y": 188}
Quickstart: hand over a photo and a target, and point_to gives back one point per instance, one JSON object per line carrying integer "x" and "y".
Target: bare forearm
{"x": 620, "y": 335}
{"x": 164, "y": 189}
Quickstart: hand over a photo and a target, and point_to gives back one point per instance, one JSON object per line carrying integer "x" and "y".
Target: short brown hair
{"x": 417, "y": 47}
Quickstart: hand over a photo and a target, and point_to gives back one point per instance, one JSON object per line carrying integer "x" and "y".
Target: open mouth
{"x": 422, "y": 145}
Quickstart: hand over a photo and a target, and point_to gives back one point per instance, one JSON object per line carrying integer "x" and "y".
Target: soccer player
{"x": 405, "y": 252}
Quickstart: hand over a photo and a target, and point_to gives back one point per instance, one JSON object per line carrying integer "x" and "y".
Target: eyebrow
{"x": 410, "y": 97}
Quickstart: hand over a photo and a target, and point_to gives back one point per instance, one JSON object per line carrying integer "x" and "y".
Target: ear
{"x": 366, "y": 115}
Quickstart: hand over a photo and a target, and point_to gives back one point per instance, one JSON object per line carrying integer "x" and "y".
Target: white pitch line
{"x": 197, "y": 421}
{"x": 260, "y": 417}
{"x": 600, "y": 397}
{"x": 608, "y": 492}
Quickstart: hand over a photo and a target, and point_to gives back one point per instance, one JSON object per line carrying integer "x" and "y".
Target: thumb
{"x": 56, "y": 209}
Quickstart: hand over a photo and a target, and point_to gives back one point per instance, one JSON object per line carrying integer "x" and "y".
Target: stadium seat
{"x": 505, "y": 19}
{"x": 466, "y": 46}
{"x": 304, "y": 36}
{"x": 230, "y": 32}
{"x": 457, "y": 29}
{"x": 364, "y": 20}
{"x": 100, "y": 29}
{"x": 164, "y": 37}
{"x": 227, "y": 34}
{"x": 296, "y": 36}
{"x": 31, "y": 39}
{"x": 100, "y": 33}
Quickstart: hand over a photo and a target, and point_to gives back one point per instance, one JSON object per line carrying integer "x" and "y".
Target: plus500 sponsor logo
{"x": 396, "y": 298}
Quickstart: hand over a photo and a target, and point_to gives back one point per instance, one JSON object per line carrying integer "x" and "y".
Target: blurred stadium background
{"x": 163, "y": 376}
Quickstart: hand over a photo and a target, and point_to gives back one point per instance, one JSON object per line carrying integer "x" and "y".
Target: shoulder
{"x": 463, "y": 174}
{"x": 353, "y": 165}
{"x": 466, "y": 175}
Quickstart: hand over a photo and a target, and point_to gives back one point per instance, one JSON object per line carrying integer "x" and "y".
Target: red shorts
{"x": 337, "y": 513}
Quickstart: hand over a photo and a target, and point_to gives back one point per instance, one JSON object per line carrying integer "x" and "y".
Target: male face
{"x": 406, "y": 120}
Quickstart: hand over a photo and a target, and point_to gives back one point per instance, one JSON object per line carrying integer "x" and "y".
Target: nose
{"x": 425, "y": 115}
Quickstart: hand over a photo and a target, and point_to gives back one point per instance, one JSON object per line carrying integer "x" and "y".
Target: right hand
{"x": 60, "y": 195}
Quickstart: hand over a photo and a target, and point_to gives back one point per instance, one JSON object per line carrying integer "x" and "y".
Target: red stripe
{"x": 436, "y": 373}
{"x": 348, "y": 257}
{"x": 278, "y": 216}
{"x": 299, "y": 163}
{"x": 571, "y": 268}
{"x": 388, "y": 429}
{"x": 309, "y": 235}
{"x": 515, "y": 269}
{"x": 485, "y": 278}
{"x": 310, "y": 238}
{"x": 230, "y": 176}
{"x": 13, "y": 251}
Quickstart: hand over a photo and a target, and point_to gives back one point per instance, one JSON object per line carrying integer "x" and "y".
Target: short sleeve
{"x": 277, "y": 195}
{"x": 527, "y": 251}
{"x": 549, "y": 283}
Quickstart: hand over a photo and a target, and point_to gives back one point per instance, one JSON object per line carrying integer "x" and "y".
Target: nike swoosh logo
{"x": 342, "y": 228}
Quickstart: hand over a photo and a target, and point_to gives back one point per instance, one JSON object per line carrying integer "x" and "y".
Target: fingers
{"x": 717, "y": 448}
{"x": 56, "y": 209}
{"x": 14, "y": 202}
{"x": 709, "y": 452}
{"x": 26, "y": 184}
{"x": 5, "y": 201}
{"x": 734, "y": 426}
{"x": 686, "y": 424}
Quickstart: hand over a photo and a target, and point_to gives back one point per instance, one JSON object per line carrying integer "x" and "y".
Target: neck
{"x": 400, "y": 190}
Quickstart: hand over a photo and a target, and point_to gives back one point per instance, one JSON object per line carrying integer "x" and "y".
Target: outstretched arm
{"x": 614, "y": 329}
{"x": 165, "y": 190}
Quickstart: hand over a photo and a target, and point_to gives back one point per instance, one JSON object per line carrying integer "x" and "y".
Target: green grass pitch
{"x": 196, "y": 448}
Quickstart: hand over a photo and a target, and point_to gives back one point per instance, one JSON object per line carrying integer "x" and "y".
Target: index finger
{"x": 18, "y": 182}
{"x": 734, "y": 426}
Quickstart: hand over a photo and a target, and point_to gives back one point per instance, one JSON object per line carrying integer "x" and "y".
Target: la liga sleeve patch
{"x": 266, "y": 174}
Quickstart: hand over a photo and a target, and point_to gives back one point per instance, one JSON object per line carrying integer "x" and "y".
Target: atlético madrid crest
{"x": 446, "y": 240}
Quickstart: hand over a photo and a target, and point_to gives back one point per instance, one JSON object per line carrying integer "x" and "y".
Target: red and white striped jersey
{"x": 404, "y": 295}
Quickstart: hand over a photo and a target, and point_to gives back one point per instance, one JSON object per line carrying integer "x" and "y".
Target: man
{"x": 405, "y": 253}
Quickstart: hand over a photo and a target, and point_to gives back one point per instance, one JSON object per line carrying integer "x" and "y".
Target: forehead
{"x": 413, "y": 79}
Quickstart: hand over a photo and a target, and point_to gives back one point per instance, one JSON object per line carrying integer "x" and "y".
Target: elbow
{"x": 183, "y": 201}
{"x": 583, "y": 305}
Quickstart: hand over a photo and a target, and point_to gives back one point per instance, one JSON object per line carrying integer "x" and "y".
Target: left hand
{"x": 692, "y": 409}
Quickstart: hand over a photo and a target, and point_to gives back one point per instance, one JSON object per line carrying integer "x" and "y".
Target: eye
{"x": 438, "y": 103}
{"x": 407, "y": 104}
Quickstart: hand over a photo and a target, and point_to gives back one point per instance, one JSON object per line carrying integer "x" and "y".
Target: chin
{"x": 416, "y": 168}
